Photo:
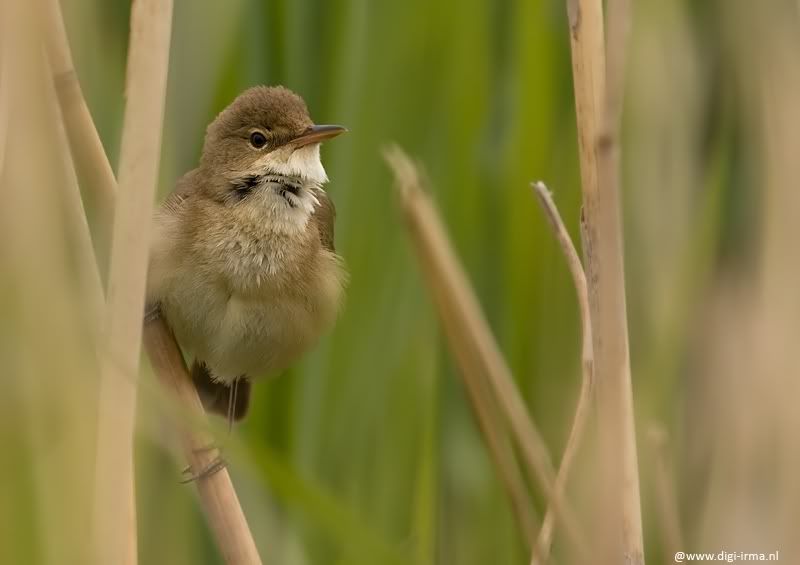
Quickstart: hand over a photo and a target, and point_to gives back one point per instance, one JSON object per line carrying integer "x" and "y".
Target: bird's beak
{"x": 316, "y": 134}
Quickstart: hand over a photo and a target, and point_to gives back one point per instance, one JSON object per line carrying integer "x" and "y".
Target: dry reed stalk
{"x": 94, "y": 172}
{"x": 47, "y": 354}
{"x": 3, "y": 107}
{"x": 84, "y": 143}
{"x": 76, "y": 225}
{"x": 773, "y": 84}
{"x": 217, "y": 495}
{"x": 463, "y": 313}
{"x": 545, "y": 538}
{"x": 4, "y": 90}
{"x": 489, "y": 422}
{"x": 598, "y": 104}
{"x": 148, "y": 58}
{"x": 666, "y": 499}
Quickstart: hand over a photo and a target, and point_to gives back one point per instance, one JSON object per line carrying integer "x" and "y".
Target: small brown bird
{"x": 242, "y": 264}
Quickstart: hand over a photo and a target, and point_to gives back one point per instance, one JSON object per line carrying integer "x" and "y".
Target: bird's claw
{"x": 216, "y": 465}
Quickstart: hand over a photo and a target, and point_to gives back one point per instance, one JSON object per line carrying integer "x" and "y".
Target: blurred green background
{"x": 366, "y": 452}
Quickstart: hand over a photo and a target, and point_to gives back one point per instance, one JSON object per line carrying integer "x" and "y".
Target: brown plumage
{"x": 243, "y": 265}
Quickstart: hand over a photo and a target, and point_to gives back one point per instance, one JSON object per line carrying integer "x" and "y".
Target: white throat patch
{"x": 288, "y": 211}
{"x": 303, "y": 163}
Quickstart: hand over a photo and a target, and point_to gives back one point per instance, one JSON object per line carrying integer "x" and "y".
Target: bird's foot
{"x": 214, "y": 466}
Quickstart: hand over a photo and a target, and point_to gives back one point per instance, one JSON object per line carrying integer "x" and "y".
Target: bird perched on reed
{"x": 243, "y": 265}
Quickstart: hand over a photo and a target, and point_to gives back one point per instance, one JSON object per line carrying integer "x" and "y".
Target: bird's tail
{"x": 229, "y": 400}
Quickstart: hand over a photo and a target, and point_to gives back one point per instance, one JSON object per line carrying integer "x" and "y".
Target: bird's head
{"x": 264, "y": 149}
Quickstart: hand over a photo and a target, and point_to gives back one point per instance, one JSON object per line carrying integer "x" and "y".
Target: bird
{"x": 242, "y": 264}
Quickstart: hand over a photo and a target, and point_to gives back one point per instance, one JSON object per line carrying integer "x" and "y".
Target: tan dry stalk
{"x": 666, "y": 498}
{"x": 217, "y": 495}
{"x": 486, "y": 413}
{"x": 148, "y": 58}
{"x": 597, "y": 112}
{"x": 76, "y": 225}
{"x": 545, "y": 538}
{"x": 48, "y": 356}
{"x": 4, "y": 102}
{"x": 88, "y": 159}
{"x": 774, "y": 81}
{"x": 450, "y": 284}
{"x": 92, "y": 166}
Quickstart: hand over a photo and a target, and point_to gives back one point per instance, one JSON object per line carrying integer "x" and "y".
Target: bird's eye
{"x": 258, "y": 140}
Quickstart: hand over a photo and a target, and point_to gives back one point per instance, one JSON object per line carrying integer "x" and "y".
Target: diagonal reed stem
{"x": 450, "y": 284}
{"x": 217, "y": 495}
{"x": 93, "y": 169}
{"x": 489, "y": 421}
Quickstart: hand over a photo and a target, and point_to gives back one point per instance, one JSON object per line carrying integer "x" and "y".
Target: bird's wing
{"x": 166, "y": 236}
{"x": 324, "y": 215}
{"x": 183, "y": 188}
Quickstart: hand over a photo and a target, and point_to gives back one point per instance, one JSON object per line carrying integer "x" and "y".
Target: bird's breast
{"x": 245, "y": 297}
{"x": 266, "y": 332}
{"x": 255, "y": 318}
